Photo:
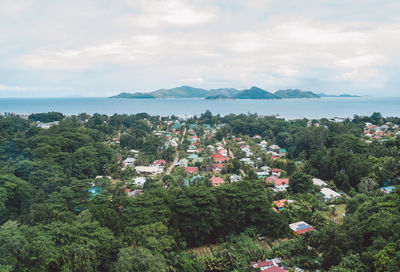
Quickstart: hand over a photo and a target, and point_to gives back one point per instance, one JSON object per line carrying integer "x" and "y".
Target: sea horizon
{"x": 293, "y": 108}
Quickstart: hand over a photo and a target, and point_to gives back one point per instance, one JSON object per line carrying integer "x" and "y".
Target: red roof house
{"x": 159, "y": 163}
{"x": 216, "y": 181}
{"x": 223, "y": 159}
{"x": 191, "y": 170}
{"x": 217, "y": 155}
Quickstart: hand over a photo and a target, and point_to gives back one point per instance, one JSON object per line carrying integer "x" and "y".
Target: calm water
{"x": 288, "y": 108}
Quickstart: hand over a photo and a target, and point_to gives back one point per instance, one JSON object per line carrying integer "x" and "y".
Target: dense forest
{"x": 52, "y": 220}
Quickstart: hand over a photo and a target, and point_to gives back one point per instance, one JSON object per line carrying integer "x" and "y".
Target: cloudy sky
{"x": 102, "y": 47}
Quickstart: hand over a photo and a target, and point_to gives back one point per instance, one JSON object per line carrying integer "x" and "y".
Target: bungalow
{"x": 135, "y": 192}
{"x": 282, "y": 152}
{"x": 196, "y": 179}
{"x": 216, "y": 181}
{"x": 192, "y": 151}
{"x": 269, "y": 265}
{"x": 134, "y": 151}
{"x": 193, "y": 156}
{"x": 266, "y": 169}
{"x": 183, "y": 162}
{"x": 274, "y": 147}
{"x": 198, "y": 160}
{"x": 139, "y": 181}
{"x": 329, "y": 194}
{"x": 235, "y": 177}
{"x": 319, "y": 182}
{"x": 159, "y": 163}
{"x": 301, "y": 227}
{"x": 217, "y": 155}
{"x": 281, "y": 184}
{"x": 387, "y": 189}
{"x": 262, "y": 174}
{"x": 276, "y": 172}
{"x": 256, "y": 137}
{"x": 221, "y": 160}
{"x": 129, "y": 162}
{"x": 217, "y": 167}
{"x": 150, "y": 170}
{"x": 191, "y": 170}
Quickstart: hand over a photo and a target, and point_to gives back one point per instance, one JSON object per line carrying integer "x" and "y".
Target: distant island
{"x": 225, "y": 93}
{"x": 340, "y": 95}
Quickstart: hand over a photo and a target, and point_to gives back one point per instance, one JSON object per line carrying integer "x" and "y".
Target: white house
{"x": 129, "y": 162}
{"x": 235, "y": 177}
{"x": 183, "y": 162}
{"x": 139, "y": 181}
{"x": 329, "y": 194}
{"x": 150, "y": 170}
{"x": 319, "y": 182}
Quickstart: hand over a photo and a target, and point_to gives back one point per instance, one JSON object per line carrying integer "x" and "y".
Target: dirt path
{"x": 169, "y": 170}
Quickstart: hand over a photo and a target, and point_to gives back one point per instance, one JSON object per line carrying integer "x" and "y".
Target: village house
{"x": 266, "y": 169}
{"x": 139, "y": 181}
{"x": 159, "y": 163}
{"x": 135, "y": 192}
{"x": 129, "y": 162}
{"x": 274, "y": 147}
{"x": 279, "y": 184}
{"x": 217, "y": 167}
{"x": 276, "y": 172}
{"x": 149, "y": 170}
{"x": 216, "y": 181}
{"x": 235, "y": 178}
{"x": 269, "y": 265}
{"x": 183, "y": 162}
{"x": 192, "y": 170}
{"x": 261, "y": 174}
{"x": 193, "y": 156}
{"x": 319, "y": 182}
{"x": 329, "y": 194}
{"x": 301, "y": 227}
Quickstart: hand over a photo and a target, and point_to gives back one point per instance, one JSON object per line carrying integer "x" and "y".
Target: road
{"x": 169, "y": 170}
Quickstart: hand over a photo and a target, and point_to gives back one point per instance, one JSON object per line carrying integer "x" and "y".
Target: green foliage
{"x": 300, "y": 183}
{"x": 46, "y": 117}
{"x": 139, "y": 259}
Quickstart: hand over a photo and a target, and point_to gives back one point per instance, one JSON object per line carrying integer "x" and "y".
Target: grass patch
{"x": 340, "y": 210}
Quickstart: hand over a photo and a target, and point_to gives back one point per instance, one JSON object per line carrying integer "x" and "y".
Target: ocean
{"x": 285, "y": 108}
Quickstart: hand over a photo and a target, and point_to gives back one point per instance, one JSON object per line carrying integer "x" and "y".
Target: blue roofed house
{"x": 193, "y": 156}
{"x": 387, "y": 189}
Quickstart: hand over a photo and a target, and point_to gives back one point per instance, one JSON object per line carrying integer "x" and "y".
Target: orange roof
{"x": 216, "y": 181}
{"x": 279, "y": 181}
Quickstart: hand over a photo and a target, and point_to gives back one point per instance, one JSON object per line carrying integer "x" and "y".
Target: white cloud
{"x": 197, "y": 80}
{"x": 159, "y": 13}
{"x": 150, "y": 44}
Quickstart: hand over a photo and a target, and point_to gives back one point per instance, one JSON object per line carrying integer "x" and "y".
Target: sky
{"x": 100, "y": 48}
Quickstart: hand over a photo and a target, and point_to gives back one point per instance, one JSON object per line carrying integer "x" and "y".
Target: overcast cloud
{"x": 100, "y": 47}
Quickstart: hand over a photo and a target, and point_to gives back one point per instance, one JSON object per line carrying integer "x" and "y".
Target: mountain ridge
{"x": 223, "y": 93}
